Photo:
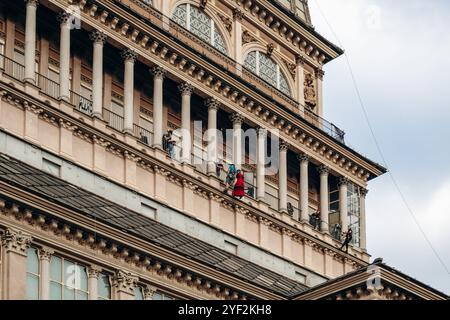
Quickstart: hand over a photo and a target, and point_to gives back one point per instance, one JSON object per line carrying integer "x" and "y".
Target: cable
{"x": 369, "y": 124}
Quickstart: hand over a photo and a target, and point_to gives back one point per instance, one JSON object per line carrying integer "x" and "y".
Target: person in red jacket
{"x": 239, "y": 185}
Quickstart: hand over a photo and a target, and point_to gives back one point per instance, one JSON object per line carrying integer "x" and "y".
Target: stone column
{"x": 99, "y": 39}
{"x": 45, "y": 255}
{"x": 148, "y": 292}
{"x": 93, "y": 274}
{"x": 282, "y": 177}
{"x": 213, "y": 106}
{"x": 343, "y": 202}
{"x": 186, "y": 90}
{"x": 129, "y": 57}
{"x": 65, "y": 19}
{"x": 124, "y": 284}
{"x": 324, "y": 198}
{"x": 30, "y": 40}
{"x": 319, "y": 75}
{"x": 261, "y": 165}
{"x": 14, "y": 264}
{"x": 304, "y": 187}
{"x": 158, "y": 85}
{"x": 237, "y": 121}
{"x": 238, "y": 15}
{"x": 362, "y": 217}
{"x": 300, "y": 80}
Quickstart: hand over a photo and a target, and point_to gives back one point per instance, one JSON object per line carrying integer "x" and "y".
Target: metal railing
{"x": 12, "y": 68}
{"x": 47, "y": 86}
{"x": 326, "y": 126}
{"x": 83, "y": 104}
{"x": 114, "y": 120}
{"x": 144, "y": 135}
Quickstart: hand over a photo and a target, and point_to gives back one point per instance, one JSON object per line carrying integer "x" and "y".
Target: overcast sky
{"x": 400, "y": 53}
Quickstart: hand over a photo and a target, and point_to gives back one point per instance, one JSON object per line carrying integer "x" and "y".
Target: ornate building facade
{"x": 93, "y": 207}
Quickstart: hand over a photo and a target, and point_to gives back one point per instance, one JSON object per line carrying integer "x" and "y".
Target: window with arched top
{"x": 197, "y": 22}
{"x": 262, "y": 65}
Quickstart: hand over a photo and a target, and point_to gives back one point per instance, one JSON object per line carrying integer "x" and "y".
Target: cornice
{"x": 302, "y": 135}
{"x": 122, "y": 149}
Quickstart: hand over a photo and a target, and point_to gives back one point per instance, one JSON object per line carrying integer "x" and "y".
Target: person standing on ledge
{"x": 348, "y": 237}
{"x": 239, "y": 185}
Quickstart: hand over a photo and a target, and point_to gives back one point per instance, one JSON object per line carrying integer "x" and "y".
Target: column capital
{"x": 34, "y": 3}
{"x": 238, "y": 15}
{"x": 148, "y": 292}
{"x": 343, "y": 181}
{"x": 303, "y": 157}
{"x": 94, "y": 271}
{"x": 16, "y": 241}
{"x": 125, "y": 281}
{"x": 300, "y": 60}
{"x": 45, "y": 253}
{"x": 212, "y": 103}
{"x": 323, "y": 170}
{"x": 363, "y": 192}
{"x": 98, "y": 37}
{"x": 284, "y": 146}
{"x": 237, "y": 118}
{"x": 186, "y": 89}
{"x": 64, "y": 17}
{"x": 262, "y": 132}
{"x": 158, "y": 72}
{"x": 319, "y": 73}
{"x": 129, "y": 55}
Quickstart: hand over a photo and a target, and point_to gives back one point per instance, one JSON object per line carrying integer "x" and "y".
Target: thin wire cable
{"x": 372, "y": 132}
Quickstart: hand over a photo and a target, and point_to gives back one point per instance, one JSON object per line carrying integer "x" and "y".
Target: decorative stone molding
{"x": 125, "y": 281}
{"x": 94, "y": 271}
{"x": 98, "y": 37}
{"x": 343, "y": 181}
{"x": 303, "y": 157}
{"x": 247, "y": 37}
{"x": 363, "y": 192}
{"x": 34, "y": 3}
{"x": 237, "y": 118}
{"x": 270, "y": 49}
{"x": 203, "y": 4}
{"x": 212, "y": 104}
{"x": 45, "y": 253}
{"x": 64, "y": 17}
{"x": 16, "y": 241}
{"x": 284, "y": 146}
{"x": 158, "y": 72}
{"x": 238, "y": 15}
{"x": 148, "y": 292}
{"x": 186, "y": 89}
{"x": 129, "y": 55}
{"x": 319, "y": 73}
{"x": 310, "y": 90}
{"x": 227, "y": 22}
{"x": 292, "y": 67}
{"x": 324, "y": 170}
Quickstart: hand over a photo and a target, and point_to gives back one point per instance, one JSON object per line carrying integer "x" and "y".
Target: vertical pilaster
{"x": 238, "y": 15}
{"x": 300, "y": 81}
{"x": 186, "y": 90}
{"x": 324, "y": 198}
{"x": 129, "y": 57}
{"x": 98, "y": 39}
{"x": 363, "y": 237}
{"x": 213, "y": 106}
{"x": 343, "y": 203}
{"x": 14, "y": 259}
{"x": 237, "y": 121}
{"x": 319, "y": 76}
{"x": 45, "y": 255}
{"x": 30, "y": 40}
{"x": 304, "y": 186}
{"x": 261, "y": 165}
{"x": 282, "y": 177}
{"x": 158, "y": 85}
{"x": 65, "y": 20}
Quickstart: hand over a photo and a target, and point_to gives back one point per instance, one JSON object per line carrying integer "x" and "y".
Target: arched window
{"x": 199, "y": 24}
{"x": 262, "y": 65}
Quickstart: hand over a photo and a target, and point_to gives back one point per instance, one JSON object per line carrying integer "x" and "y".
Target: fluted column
{"x": 362, "y": 217}
{"x": 186, "y": 90}
{"x": 343, "y": 203}
{"x": 304, "y": 186}
{"x": 261, "y": 165}
{"x": 158, "y": 85}
{"x": 129, "y": 57}
{"x": 324, "y": 198}
{"x": 319, "y": 74}
{"x": 98, "y": 39}
{"x": 30, "y": 40}
{"x": 300, "y": 80}
{"x": 93, "y": 274}
{"x": 65, "y": 19}
{"x": 213, "y": 106}
{"x": 45, "y": 255}
{"x": 237, "y": 121}
{"x": 282, "y": 177}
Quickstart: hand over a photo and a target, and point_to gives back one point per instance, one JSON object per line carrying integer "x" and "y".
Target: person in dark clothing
{"x": 169, "y": 143}
{"x": 348, "y": 237}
